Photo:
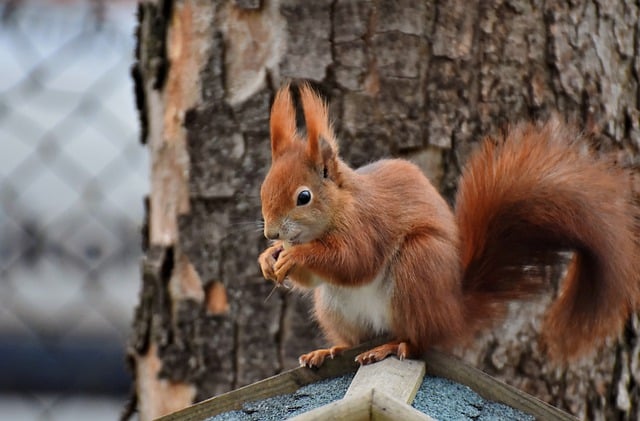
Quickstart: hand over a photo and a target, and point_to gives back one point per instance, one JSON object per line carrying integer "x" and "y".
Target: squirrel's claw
{"x": 267, "y": 261}
{"x": 316, "y": 358}
{"x": 283, "y": 266}
{"x": 400, "y": 349}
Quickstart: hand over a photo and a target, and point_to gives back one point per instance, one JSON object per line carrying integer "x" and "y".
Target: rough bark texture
{"x": 421, "y": 80}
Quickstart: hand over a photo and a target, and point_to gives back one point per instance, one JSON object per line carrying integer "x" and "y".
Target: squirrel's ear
{"x": 317, "y": 122}
{"x": 283, "y": 122}
{"x": 327, "y": 159}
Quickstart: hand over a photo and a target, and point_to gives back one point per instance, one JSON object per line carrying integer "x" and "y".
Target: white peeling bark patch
{"x": 159, "y": 396}
{"x": 254, "y": 43}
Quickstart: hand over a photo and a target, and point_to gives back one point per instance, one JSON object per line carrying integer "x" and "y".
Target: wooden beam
{"x": 387, "y": 408}
{"x": 437, "y": 364}
{"x": 398, "y": 379}
{"x": 368, "y": 405}
{"x": 356, "y": 408}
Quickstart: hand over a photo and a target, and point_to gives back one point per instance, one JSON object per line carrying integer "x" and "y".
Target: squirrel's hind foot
{"x": 316, "y": 358}
{"x": 400, "y": 349}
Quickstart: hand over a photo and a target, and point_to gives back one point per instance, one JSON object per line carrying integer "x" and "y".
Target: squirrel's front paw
{"x": 283, "y": 265}
{"x": 267, "y": 261}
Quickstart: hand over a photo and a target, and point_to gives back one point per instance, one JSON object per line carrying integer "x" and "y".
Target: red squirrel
{"x": 386, "y": 255}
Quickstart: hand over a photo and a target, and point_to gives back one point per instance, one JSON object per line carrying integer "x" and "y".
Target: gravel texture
{"x": 282, "y": 407}
{"x": 440, "y": 398}
{"x": 446, "y": 400}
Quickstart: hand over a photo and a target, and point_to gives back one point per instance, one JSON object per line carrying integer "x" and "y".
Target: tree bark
{"x": 419, "y": 80}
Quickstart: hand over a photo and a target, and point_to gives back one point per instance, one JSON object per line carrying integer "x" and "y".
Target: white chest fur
{"x": 368, "y": 307}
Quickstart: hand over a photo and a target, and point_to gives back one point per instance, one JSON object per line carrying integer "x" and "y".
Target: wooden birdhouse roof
{"x": 388, "y": 390}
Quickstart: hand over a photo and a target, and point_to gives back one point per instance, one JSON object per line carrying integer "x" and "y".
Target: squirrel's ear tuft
{"x": 282, "y": 122}
{"x": 316, "y": 119}
{"x": 328, "y": 160}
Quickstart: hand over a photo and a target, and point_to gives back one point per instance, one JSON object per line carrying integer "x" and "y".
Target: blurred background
{"x": 72, "y": 178}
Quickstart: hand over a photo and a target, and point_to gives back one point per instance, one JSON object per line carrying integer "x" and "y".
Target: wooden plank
{"x": 387, "y": 387}
{"x": 368, "y": 405}
{"x": 441, "y": 365}
{"x": 399, "y": 379}
{"x": 284, "y": 383}
{"x": 438, "y": 364}
{"x": 355, "y": 408}
{"x": 388, "y": 408}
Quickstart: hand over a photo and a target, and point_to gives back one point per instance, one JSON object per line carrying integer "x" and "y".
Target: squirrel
{"x": 386, "y": 254}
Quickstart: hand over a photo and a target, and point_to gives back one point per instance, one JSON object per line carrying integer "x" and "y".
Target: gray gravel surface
{"x": 440, "y": 398}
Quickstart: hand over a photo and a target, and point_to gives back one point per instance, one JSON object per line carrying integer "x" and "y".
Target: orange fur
{"x": 282, "y": 126}
{"x": 387, "y": 255}
{"x": 536, "y": 192}
{"x": 317, "y": 122}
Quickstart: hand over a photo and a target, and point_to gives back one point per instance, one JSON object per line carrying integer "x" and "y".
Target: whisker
{"x": 242, "y": 230}
{"x": 275, "y": 287}
{"x": 245, "y": 223}
{"x": 255, "y": 222}
{"x": 271, "y": 293}
{"x": 256, "y": 226}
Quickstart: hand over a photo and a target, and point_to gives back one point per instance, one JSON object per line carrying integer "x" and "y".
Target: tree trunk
{"x": 419, "y": 80}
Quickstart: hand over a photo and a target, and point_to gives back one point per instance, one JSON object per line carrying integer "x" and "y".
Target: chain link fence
{"x": 72, "y": 178}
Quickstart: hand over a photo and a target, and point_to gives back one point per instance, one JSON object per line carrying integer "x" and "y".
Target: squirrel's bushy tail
{"x": 525, "y": 198}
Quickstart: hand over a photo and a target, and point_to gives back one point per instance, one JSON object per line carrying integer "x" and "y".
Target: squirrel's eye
{"x": 304, "y": 197}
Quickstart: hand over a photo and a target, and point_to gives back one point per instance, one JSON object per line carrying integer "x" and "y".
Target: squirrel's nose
{"x": 271, "y": 234}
